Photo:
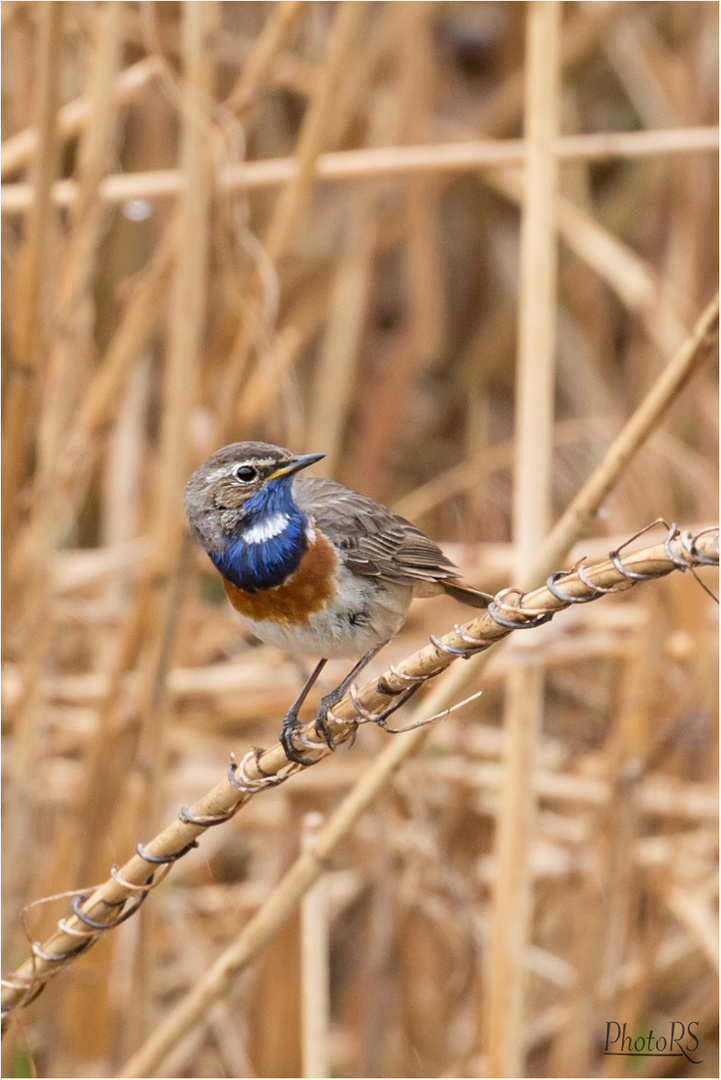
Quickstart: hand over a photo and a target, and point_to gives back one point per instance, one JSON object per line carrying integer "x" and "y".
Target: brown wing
{"x": 373, "y": 541}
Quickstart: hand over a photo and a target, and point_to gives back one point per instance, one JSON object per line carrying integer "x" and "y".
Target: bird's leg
{"x": 321, "y": 719}
{"x": 290, "y": 720}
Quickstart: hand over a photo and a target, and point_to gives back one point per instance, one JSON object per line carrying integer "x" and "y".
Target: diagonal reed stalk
{"x": 263, "y": 769}
{"x": 311, "y": 864}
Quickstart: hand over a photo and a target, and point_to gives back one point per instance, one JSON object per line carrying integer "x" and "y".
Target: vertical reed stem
{"x": 315, "y": 975}
{"x": 30, "y": 321}
{"x": 532, "y": 512}
{"x": 187, "y": 313}
{"x": 72, "y": 339}
{"x": 186, "y": 325}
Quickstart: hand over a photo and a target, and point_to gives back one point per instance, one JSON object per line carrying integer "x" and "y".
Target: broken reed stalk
{"x": 534, "y": 414}
{"x": 259, "y": 770}
{"x": 374, "y": 163}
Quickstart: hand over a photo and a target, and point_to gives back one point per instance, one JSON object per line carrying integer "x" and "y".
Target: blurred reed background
{"x": 356, "y": 289}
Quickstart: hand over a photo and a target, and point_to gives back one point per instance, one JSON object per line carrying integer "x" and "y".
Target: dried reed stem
{"x": 629, "y": 275}
{"x": 187, "y": 322}
{"x": 307, "y": 869}
{"x": 415, "y": 344}
{"x": 284, "y": 898}
{"x": 315, "y": 962}
{"x": 225, "y": 799}
{"x": 701, "y": 343}
{"x": 74, "y": 467}
{"x": 375, "y": 163}
{"x": 535, "y": 378}
{"x": 581, "y": 30}
{"x": 334, "y": 375}
{"x": 281, "y": 20}
{"x": 69, "y": 355}
{"x": 286, "y": 218}
{"x": 66, "y": 363}
{"x": 31, "y": 300}
{"x": 187, "y": 313}
{"x": 17, "y": 151}
{"x": 264, "y": 53}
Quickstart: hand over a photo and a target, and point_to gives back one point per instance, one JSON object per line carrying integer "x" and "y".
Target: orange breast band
{"x": 306, "y": 591}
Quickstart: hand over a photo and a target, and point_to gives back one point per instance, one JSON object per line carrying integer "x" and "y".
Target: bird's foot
{"x": 331, "y": 699}
{"x": 289, "y": 730}
{"x": 321, "y": 720}
{"x": 288, "y": 734}
{"x": 321, "y": 717}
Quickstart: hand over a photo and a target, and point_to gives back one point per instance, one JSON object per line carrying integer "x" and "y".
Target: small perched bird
{"x": 309, "y": 565}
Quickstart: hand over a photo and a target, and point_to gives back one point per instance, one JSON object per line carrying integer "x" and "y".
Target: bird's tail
{"x": 466, "y": 594}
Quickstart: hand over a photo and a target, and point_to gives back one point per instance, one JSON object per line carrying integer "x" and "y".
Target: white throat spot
{"x": 266, "y": 529}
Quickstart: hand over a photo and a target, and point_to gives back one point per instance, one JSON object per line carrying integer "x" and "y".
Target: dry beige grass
{"x": 357, "y": 288}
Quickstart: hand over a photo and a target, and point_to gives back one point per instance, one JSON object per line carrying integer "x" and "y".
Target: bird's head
{"x": 235, "y": 483}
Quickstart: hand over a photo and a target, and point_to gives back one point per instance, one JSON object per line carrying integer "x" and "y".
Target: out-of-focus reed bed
{"x": 369, "y": 287}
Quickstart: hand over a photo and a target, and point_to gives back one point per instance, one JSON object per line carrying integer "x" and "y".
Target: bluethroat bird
{"x": 309, "y": 565}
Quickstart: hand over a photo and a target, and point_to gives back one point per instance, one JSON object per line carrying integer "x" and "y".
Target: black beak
{"x": 301, "y": 461}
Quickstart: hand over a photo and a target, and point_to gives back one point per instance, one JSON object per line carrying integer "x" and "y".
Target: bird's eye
{"x": 245, "y": 473}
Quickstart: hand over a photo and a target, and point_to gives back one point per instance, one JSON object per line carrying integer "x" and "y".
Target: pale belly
{"x": 363, "y": 613}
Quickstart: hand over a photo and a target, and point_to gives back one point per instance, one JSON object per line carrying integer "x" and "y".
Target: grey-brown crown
{"x": 219, "y": 489}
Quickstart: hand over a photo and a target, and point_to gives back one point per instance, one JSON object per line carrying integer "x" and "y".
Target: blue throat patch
{"x": 268, "y": 562}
